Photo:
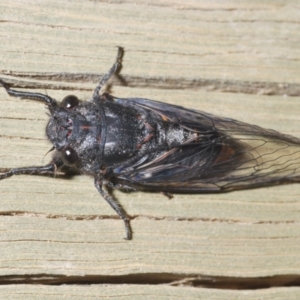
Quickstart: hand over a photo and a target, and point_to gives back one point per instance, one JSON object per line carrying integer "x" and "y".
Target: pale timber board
{"x": 132, "y": 292}
{"x": 175, "y": 44}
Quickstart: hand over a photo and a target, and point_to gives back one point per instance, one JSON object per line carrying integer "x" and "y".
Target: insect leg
{"x": 112, "y": 71}
{"x": 168, "y": 195}
{"x": 27, "y": 95}
{"x": 42, "y": 170}
{"x": 116, "y": 206}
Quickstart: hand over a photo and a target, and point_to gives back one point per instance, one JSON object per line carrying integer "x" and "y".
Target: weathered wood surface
{"x": 236, "y": 59}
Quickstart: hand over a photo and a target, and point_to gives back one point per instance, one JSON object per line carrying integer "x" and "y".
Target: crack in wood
{"x": 228, "y": 86}
{"x": 133, "y": 217}
{"x": 194, "y": 280}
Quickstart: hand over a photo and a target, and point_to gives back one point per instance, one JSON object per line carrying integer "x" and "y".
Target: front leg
{"x": 41, "y": 170}
{"x": 108, "y": 75}
{"x": 115, "y": 205}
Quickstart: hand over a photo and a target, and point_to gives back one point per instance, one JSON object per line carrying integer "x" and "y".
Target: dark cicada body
{"x": 142, "y": 144}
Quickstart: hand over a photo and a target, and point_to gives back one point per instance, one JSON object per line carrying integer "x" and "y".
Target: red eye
{"x": 70, "y": 102}
{"x": 69, "y": 156}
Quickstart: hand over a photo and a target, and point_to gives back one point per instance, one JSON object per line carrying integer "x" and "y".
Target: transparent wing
{"x": 225, "y": 155}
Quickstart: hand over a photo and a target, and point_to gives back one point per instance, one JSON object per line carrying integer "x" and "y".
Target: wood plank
{"x": 139, "y": 292}
{"x": 234, "y": 59}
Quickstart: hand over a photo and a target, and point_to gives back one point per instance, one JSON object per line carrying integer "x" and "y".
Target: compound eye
{"x": 69, "y": 156}
{"x": 70, "y": 102}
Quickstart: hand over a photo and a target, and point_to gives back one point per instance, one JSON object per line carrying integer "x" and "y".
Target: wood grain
{"x": 236, "y": 59}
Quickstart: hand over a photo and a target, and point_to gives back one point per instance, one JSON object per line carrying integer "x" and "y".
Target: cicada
{"x": 141, "y": 144}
